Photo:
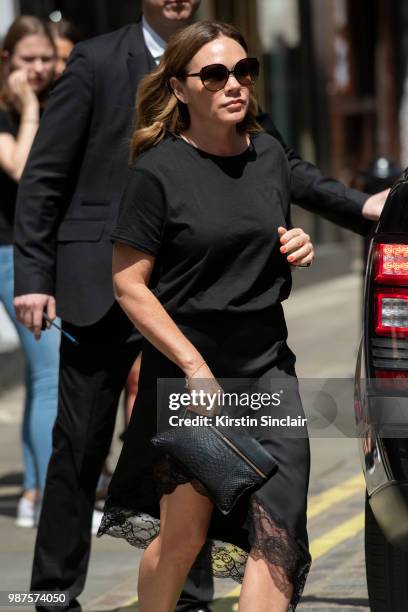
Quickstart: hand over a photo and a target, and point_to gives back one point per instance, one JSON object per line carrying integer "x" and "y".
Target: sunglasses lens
{"x": 214, "y": 77}
{"x": 247, "y": 70}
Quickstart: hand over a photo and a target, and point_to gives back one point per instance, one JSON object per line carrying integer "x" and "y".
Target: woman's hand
{"x": 24, "y": 95}
{"x": 208, "y": 391}
{"x": 297, "y": 246}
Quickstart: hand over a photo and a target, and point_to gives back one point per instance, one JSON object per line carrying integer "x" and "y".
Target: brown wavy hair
{"x": 25, "y": 25}
{"x": 158, "y": 111}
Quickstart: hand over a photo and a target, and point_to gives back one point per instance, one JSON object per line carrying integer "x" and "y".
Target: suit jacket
{"x": 320, "y": 194}
{"x": 75, "y": 176}
{"x": 70, "y": 191}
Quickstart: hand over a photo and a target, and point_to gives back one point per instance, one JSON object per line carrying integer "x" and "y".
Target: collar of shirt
{"x": 153, "y": 41}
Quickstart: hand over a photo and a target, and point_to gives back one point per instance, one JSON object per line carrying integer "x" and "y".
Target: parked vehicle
{"x": 381, "y": 405}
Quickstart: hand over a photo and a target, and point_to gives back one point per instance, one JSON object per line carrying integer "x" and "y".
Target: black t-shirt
{"x": 8, "y": 187}
{"x": 211, "y": 221}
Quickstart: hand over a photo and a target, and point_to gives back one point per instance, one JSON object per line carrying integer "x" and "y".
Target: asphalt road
{"x": 324, "y": 330}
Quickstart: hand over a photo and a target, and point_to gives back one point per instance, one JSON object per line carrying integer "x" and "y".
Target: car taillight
{"x": 387, "y": 308}
{"x": 391, "y": 374}
{"x": 391, "y": 313}
{"x": 391, "y": 263}
{"x": 391, "y": 380}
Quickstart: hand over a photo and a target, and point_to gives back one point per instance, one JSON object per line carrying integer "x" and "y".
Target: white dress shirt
{"x": 153, "y": 41}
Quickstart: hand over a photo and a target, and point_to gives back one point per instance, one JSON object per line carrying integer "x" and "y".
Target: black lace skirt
{"x": 269, "y": 523}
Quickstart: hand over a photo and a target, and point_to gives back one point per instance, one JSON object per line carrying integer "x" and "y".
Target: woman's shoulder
{"x": 265, "y": 142}
{"x": 272, "y": 157}
{"x": 159, "y": 158}
{"x": 270, "y": 150}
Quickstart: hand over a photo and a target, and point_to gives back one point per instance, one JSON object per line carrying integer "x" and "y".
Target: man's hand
{"x": 373, "y": 206}
{"x": 29, "y": 310}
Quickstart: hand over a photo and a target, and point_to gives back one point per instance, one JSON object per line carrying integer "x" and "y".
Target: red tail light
{"x": 392, "y": 380}
{"x": 388, "y": 308}
{"x": 391, "y": 374}
{"x": 391, "y": 264}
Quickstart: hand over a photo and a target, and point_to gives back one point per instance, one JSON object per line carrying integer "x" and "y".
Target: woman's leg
{"x": 30, "y": 480}
{"x": 6, "y": 298}
{"x": 184, "y": 520}
{"x": 42, "y": 361}
{"x": 265, "y": 588}
{"x": 42, "y": 371}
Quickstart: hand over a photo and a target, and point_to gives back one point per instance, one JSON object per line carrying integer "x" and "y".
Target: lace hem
{"x": 269, "y": 539}
{"x": 169, "y": 473}
{"x": 139, "y": 530}
{"x": 287, "y": 565}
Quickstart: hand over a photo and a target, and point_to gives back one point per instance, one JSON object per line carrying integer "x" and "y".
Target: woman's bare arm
{"x": 131, "y": 273}
{"x": 14, "y": 151}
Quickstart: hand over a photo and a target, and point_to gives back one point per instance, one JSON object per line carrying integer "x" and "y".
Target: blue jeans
{"x": 41, "y": 380}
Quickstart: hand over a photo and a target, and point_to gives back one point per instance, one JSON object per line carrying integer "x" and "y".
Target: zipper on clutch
{"x": 239, "y": 452}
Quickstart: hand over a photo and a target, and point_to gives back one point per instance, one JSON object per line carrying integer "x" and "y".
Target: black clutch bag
{"x": 228, "y": 463}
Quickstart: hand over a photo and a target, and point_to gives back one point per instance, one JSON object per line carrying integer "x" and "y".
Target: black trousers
{"x": 92, "y": 376}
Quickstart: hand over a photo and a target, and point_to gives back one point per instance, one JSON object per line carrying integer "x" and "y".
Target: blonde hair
{"x": 158, "y": 111}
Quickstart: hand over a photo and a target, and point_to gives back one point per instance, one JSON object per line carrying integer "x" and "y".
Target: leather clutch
{"x": 227, "y": 462}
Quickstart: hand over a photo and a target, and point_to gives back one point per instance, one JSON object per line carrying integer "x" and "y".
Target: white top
{"x": 153, "y": 41}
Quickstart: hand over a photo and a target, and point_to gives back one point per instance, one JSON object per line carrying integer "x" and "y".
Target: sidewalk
{"x": 323, "y": 323}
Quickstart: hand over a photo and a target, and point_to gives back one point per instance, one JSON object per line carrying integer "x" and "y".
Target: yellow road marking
{"x": 318, "y": 547}
{"x": 322, "y": 545}
{"x": 319, "y": 503}
{"x": 131, "y": 602}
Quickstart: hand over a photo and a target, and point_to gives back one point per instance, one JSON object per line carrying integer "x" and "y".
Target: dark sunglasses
{"x": 215, "y": 76}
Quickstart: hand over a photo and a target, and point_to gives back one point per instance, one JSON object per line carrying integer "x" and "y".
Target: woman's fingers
{"x": 296, "y": 244}
{"x": 297, "y": 256}
{"x": 303, "y": 261}
{"x": 17, "y": 81}
{"x": 293, "y": 239}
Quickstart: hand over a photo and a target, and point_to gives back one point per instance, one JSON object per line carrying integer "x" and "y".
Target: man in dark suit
{"x": 67, "y": 206}
{"x": 68, "y": 202}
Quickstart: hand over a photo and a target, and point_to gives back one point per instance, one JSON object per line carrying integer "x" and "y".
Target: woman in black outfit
{"x": 201, "y": 264}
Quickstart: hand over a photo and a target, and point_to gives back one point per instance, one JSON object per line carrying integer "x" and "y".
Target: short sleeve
{"x": 142, "y": 213}
{"x": 7, "y": 126}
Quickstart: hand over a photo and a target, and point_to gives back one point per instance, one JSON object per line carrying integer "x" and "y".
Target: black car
{"x": 381, "y": 405}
